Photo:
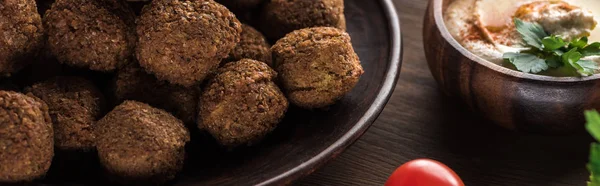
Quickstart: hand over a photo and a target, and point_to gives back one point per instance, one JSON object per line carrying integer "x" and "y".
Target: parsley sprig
{"x": 593, "y": 127}
{"x": 551, "y": 51}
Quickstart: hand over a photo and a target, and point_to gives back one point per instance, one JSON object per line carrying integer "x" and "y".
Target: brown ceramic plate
{"x": 306, "y": 139}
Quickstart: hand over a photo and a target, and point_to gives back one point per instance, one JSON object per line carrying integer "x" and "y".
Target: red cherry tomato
{"x": 424, "y": 172}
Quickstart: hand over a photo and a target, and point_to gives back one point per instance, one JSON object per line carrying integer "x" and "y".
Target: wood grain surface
{"x": 420, "y": 122}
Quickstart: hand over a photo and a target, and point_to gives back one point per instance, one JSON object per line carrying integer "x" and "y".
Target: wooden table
{"x": 420, "y": 122}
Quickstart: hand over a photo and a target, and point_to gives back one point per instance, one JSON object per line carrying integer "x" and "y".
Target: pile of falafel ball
{"x": 173, "y": 65}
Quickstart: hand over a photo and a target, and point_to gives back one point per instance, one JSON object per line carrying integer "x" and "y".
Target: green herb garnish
{"x": 593, "y": 127}
{"x": 532, "y": 33}
{"x": 551, "y": 51}
{"x": 591, "y": 50}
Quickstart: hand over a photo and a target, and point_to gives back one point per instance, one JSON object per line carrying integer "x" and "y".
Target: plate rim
{"x": 383, "y": 96}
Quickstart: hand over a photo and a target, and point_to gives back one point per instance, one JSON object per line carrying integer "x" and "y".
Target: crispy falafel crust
{"x": 74, "y": 104}
{"x": 133, "y": 83}
{"x": 280, "y": 17}
{"x": 22, "y": 34}
{"x": 94, "y": 34}
{"x": 317, "y": 66}
{"x": 241, "y": 104}
{"x": 26, "y": 138}
{"x": 252, "y": 45}
{"x": 138, "y": 144}
{"x": 183, "y": 41}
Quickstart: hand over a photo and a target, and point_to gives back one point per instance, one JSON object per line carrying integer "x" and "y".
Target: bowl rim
{"x": 391, "y": 77}
{"x": 439, "y": 21}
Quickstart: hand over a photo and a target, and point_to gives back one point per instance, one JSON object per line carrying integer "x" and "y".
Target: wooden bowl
{"x": 305, "y": 140}
{"x": 512, "y": 99}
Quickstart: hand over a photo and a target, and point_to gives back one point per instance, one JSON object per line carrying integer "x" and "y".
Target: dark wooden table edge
{"x": 367, "y": 119}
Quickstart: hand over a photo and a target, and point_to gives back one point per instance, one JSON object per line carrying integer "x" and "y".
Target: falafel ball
{"x": 252, "y": 45}
{"x": 26, "y": 138}
{"x": 183, "y": 41}
{"x": 280, "y": 17}
{"x": 241, "y": 104}
{"x": 317, "y": 66}
{"x": 133, "y": 83}
{"x": 22, "y": 35}
{"x": 75, "y": 104}
{"x": 94, "y": 34}
{"x": 138, "y": 144}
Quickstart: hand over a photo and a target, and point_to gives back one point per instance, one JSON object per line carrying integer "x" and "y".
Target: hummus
{"x": 559, "y": 18}
{"x": 485, "y": 27}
